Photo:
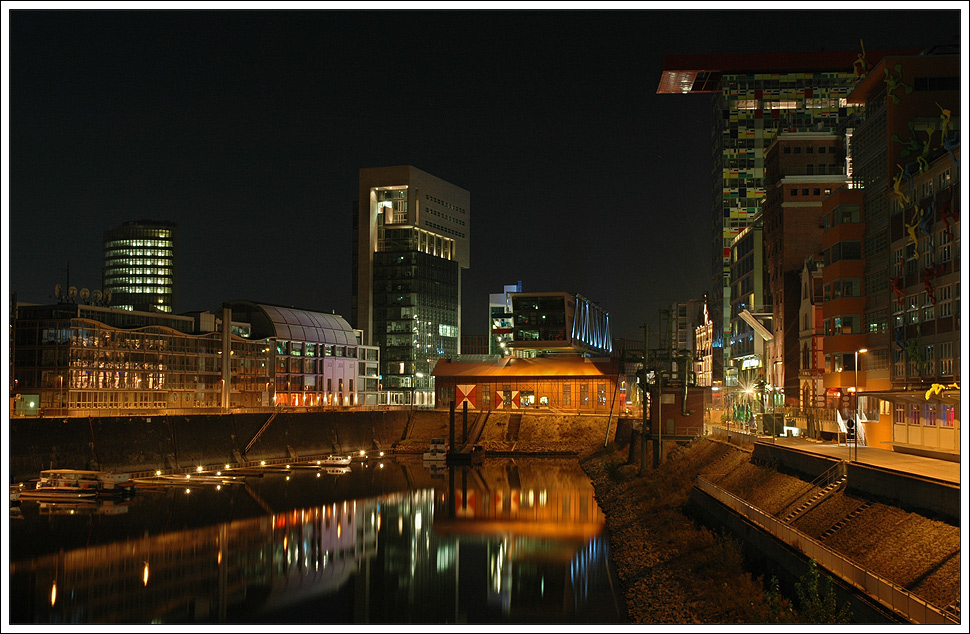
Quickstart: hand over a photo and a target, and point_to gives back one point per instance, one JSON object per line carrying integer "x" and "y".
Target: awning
{"x": 946, "y": 394}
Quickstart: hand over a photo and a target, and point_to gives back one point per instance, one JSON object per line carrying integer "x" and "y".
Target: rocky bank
{"x": 673, "y": 570}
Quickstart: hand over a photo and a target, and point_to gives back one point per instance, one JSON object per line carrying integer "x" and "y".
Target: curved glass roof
{"x": 294, "y": 324}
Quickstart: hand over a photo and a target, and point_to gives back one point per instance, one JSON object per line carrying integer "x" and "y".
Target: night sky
{"x": 248, "y": 128}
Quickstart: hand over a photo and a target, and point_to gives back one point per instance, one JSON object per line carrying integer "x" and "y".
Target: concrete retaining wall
{"x": 178, "y": 442}
{"x": 804, "y": 464}
{"x": 933, "y": 497}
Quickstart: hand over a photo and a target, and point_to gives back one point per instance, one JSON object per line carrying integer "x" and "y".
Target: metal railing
{"x": 878, "y": 588}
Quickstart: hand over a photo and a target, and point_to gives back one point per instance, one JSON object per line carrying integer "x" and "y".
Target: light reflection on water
{"x": 509, "y": 541}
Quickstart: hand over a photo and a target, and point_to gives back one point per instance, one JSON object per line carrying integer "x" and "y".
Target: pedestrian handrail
{"x": 882, "y": 590}
{"x": 829, "y": 476}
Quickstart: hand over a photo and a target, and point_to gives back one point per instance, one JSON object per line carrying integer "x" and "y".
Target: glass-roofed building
{"x": 84, "y": 360}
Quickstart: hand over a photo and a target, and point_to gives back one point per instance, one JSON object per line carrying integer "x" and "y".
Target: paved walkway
{"x": 895, "y": 460}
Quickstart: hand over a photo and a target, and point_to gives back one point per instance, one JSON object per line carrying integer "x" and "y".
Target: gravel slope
{"x": 673, "y": 571}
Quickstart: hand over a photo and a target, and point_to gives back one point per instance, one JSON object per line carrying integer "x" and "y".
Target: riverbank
{"x": 674, "y": 570}
{"x": 671, "y": 570}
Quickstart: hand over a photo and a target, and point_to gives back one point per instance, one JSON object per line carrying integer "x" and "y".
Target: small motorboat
{"x": 335, "y": 461}
{"x": 437, "y": 450}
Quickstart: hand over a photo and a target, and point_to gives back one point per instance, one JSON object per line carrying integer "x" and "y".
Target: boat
{"x": 80, "y": 482}
{"x": 335, "y": 461}
{"x": 437, "y": 450}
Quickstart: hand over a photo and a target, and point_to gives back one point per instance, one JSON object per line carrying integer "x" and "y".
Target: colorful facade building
{"x": 756, "y": 96}
{"x": 906, "y": 156}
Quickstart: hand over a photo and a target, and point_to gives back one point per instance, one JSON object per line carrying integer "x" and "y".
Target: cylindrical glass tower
{"x": 139, "y": 266}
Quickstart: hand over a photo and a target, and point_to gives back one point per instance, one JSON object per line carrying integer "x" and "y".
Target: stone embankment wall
{"x": 184, "y": 442}
{"x": 181, "y": 442}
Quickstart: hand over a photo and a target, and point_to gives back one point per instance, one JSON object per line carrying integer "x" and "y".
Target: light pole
{"x": 858, "y": 423}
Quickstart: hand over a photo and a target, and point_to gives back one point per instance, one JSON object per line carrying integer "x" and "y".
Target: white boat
{"x": 437, "y": 450}
{"x": 78, "y": 482}
{"x": 335, "y": 461}
{"x": 435, "y": 455}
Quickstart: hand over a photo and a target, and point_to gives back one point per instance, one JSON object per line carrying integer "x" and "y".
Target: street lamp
{"x": 855, "y": 439}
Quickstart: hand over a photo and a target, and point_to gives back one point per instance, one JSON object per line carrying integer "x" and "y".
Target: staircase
{"x": 828, "y": 482}
{"x": 832, "y": 530}
{"x": 515, "y": 422}
{"x": 817, "y": 496}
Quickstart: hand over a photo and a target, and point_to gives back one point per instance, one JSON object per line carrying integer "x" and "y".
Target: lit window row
{"x": 136, "y": 253}
{"x": 163, "y": 275}
{"x": 128, "y": 243}
{"x": 163, "y": 290}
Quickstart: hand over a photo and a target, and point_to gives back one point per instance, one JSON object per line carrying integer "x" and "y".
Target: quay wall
{"x": 921, "y": 494}
{"x": 907, "y": 491}
{"x": 134, "y": 443}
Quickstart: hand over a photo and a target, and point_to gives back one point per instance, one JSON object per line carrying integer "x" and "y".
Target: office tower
{"x": 410, "y": 244}
{"x": 754, "y": 98}
{"x": 139, "y": 270}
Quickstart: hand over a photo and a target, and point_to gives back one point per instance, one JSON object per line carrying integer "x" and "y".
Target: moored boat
{"x": 75, "y": 482}
{"x": 335, "y": 461}
{"x": 437, "y": 450}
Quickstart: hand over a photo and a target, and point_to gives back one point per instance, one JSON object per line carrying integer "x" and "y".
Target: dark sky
{"x": 248, "y": 128}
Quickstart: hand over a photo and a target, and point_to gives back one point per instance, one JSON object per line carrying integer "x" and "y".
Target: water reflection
{"x": 504, "y": 542}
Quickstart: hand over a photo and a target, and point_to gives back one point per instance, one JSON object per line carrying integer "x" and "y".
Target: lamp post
{"x": 414, "y": 385}
{"x": 858, "y": 423}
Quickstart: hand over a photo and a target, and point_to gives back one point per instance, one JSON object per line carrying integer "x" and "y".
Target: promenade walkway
{"x": 939, "y": 469}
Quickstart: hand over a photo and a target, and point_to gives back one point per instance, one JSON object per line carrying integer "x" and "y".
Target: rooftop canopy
{"x": 702, "y": 73}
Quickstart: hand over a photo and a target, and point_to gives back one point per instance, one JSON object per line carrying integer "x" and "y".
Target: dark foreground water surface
{"x": 511, "y": 541}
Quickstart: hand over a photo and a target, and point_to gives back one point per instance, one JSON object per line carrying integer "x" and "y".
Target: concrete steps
{"x": 832, "y": 530}
{"x": 816, "y": 497}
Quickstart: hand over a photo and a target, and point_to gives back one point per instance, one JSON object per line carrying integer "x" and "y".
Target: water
{"x": 511, "y": 541}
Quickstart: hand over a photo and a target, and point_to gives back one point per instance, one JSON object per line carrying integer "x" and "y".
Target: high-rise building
{"x": 755, "y": 97}
{"x": 139, "y": 266}
{"x": 411, "y": 241}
